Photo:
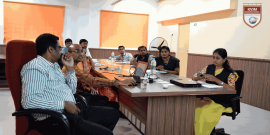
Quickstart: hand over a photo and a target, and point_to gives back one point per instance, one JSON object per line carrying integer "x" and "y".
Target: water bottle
{"x": 112, "y": 58}
{"x": 153, "y": 69}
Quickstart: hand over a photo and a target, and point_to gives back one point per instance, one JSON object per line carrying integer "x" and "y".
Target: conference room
{"x": 173, "y": 49}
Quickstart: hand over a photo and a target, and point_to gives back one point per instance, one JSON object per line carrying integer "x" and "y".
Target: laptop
{"x": 139, "y": 72}
{"x": 185, "y": 83}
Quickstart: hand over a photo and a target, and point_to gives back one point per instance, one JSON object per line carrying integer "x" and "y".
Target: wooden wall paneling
{"x": 99, "y": 53}
{"x": 2, "y": 48}
{"x": 255, "y": 89}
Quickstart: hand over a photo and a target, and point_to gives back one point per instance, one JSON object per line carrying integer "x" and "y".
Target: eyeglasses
{"x": 77, "y": 51}
{"x": 60, "y": 47}
{"x": 84, "y": 43}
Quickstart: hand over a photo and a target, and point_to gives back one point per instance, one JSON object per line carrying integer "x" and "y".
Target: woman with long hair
{"x": 166, "y": 62}
{"x": 210, "y": 108}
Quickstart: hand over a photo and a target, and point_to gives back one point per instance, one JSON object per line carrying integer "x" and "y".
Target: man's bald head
{"x": 74, "y": 46}
{"x": 76, "y": 52}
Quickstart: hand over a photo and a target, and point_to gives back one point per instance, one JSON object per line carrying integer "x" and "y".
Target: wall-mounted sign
{"x": 252, "y": 14}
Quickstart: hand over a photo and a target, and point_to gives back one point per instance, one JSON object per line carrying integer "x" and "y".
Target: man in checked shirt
{"x": 44, "y": 86}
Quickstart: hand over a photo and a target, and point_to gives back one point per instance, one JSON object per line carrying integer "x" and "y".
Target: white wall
{"x": 171, "y": 9}
{"x": 89, "y": 20}
{"x": 233, "y": 34}
{"x": 180, "y": 8}
{"x": 70, "y": 29}
{"x": 1, "y": 22}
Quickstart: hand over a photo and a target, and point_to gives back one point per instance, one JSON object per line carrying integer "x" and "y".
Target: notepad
{"x": 212, "y": 86}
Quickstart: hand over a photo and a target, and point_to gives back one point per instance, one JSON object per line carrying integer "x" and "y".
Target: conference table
{"x": 154, "y": 110}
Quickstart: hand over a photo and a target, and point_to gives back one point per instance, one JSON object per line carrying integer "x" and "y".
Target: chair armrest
{"x": 60, "y": 117}
{"x": 80, "y": 98}
{"x": 235, "y": 98}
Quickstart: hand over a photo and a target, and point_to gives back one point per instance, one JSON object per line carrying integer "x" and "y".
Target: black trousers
{"x": 92, "y": 120}
{"x": 97, "y": 100}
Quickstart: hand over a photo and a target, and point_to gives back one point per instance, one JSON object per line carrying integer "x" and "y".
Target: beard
{"x": 59, "y": 61}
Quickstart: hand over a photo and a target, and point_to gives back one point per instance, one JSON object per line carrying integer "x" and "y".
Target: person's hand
{"x": 67, "y": 60}
{"x": 160, "y": 68}
{"x": 211, "y": 78}
{"x": 71, "y": 107}
{"x": 129, "y": 81}
{"x": 93, "y": 91}
{"x": 133, "y": 61}
{"x": 120, "y": 58}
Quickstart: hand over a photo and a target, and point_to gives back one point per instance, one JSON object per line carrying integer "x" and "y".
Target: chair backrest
{"x": 18, "y": 53}
{"x": 239, "y": 82}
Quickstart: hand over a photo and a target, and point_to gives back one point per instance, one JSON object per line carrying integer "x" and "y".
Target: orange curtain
{"x": 127, "y": 29}
{"x": 26, "y": 21}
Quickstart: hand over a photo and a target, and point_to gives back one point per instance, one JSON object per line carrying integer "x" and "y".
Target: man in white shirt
{"x": 123, "y": 55}
{"x": 84, "y": 43}
{"x": 68, "y": 42}
{"x": 44, "y": 86}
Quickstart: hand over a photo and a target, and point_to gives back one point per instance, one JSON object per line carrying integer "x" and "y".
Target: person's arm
{"x": 91, "y": 63}
{"x": 133, "y": 61}
{"x": 176, "y": 68}
{"x": 92, "y": 81}
{"x": 71, "y": 79}
{"x": 33, "y": 91}
{"x": 88, "y": 53}
{"x": 129, "y": 56}
{"x": 212, "y": 78}
{"x": 98, "y": 82}
{"x": 197, "y": 76}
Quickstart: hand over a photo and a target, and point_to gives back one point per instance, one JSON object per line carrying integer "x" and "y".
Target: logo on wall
{"x": 252, "y": 14}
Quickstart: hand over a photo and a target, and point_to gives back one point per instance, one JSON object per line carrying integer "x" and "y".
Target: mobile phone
{"x": 103, "y": 68}
{"x": 200, "y": 74}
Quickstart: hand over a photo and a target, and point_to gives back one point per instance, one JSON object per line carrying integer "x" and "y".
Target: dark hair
{"x": 120, "y": 47}
{"x": 223, "y": 53}
{"x": 140, "y": 47}
{"x": 164, "y": 47}
{"x": 44, "y": 41}
{"x": 83, "y": 40}
{"x": 68, "y": 40}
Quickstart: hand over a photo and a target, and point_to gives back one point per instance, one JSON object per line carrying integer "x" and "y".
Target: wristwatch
{"x": 221, "y": 83}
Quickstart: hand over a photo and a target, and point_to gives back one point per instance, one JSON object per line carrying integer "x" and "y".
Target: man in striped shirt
{"x": 44, "y": 86}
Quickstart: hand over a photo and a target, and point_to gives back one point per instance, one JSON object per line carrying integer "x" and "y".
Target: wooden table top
{"x": 156, "y": 88}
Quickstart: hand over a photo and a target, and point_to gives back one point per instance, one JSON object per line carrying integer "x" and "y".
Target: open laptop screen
{"x": 141, "y": 68}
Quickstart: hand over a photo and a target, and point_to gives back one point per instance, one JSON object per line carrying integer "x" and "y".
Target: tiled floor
{"x": 251, "y": 120}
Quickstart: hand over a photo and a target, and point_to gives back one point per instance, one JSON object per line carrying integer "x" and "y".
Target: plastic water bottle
{"x": 112, "y": 58}
{"x": 153, "y": 69}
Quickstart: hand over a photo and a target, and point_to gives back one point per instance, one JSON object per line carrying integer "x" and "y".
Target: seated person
{"x": 123, "y": 55}
{"x": 68, "y": 42}
{"x": 166, "y": 62}
{"x": 210, "y": 108}
{"x": 44, "y": 86}
{"x": 87, "y": 79}
{"x": 143, "y": 56}
{"x": 84, "y": 43}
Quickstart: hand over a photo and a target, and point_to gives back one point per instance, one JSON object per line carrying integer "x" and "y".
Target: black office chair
{"x": 233, "y": 101}
{"x": 18, "y": 53}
